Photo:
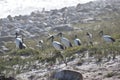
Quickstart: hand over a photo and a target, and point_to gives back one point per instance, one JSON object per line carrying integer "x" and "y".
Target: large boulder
{"x": 63, "y": 27}
{"x": 66, "y": 75}
{"x": 2, "y": 77}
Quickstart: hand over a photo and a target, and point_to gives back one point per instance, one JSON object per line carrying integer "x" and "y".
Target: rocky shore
{"x": 40, "y": 24}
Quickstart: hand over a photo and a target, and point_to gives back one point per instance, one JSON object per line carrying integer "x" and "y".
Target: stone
{"x": 66, "y": 75}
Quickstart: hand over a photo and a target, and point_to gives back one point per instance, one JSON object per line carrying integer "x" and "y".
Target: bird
{"x": 90, "y": 36}
{"x": 107, "y": 38}
{"x": 57, "y": 45}
{"x": 19, "y": 42}
{"x": 64, "y": 40}
{"x": 77, "y": 41}
{"x": 41, "y": 44}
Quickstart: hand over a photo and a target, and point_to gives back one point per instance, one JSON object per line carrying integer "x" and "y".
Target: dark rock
{"x": 10, "y": 18}
{"x": 2, "y": 77}
{"x": 66, "y": 75}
